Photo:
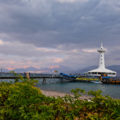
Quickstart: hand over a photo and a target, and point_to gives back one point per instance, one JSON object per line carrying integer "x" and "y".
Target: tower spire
{"x": 101, "y": 44}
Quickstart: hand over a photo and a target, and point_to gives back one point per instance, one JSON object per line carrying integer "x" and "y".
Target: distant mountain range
{"x": 64, "y": 69}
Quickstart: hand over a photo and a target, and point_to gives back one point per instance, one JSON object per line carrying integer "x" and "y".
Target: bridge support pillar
{"x": 61, "y": 79}
{"x": 44, "y": 80}
{"x": 27, "y": 75}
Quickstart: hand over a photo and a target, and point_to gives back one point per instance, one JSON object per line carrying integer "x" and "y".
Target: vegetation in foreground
{"x": 23, "y": 101}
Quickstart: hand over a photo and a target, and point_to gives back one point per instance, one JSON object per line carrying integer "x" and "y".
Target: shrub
{"x": 23, "y": 101}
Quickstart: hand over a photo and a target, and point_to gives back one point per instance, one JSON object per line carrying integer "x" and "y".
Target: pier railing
{"x": 30, "y": 75}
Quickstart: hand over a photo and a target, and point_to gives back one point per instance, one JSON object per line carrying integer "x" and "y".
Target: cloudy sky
{"x": 53, "y": 33}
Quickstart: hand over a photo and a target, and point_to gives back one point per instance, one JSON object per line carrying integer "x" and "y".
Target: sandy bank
{"x": 59, "y": 94}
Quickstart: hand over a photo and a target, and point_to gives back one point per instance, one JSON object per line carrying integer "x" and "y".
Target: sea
{"x": 66, "y": 87}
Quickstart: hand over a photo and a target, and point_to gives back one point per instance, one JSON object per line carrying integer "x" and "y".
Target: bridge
{"x": 35, "y": 76}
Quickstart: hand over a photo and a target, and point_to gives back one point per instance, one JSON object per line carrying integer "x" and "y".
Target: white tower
{"x": 101, "y": 68}
{"x": 102, "y": 60}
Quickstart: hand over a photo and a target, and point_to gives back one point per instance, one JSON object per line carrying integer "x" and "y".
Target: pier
{"x": 27, "y": 75}
{"x": 61, "y": 77}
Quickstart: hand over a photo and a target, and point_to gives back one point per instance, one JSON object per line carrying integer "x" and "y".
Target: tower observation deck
{"x": 101, "y": 68}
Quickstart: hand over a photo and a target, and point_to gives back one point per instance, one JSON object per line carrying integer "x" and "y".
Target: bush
{"x": 23, "y": 101}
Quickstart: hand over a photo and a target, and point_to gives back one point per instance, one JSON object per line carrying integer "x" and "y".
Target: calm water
{"x": 55, "y": 85}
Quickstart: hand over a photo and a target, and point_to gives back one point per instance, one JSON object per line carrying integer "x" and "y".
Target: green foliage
{"x": 95, "y": 93}
{"x": 23, "y": 101}
{"x": 77, "y": 92}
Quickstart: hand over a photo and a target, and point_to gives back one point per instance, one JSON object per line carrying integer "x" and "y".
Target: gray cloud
{"x": 63, "y": 26}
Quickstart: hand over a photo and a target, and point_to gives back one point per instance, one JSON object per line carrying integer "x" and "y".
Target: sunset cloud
{"x": 90, "y": 50}
{"x": 54, "y": 66}
{"x": 58, "y": 60}
{"x": 1, "y": 42}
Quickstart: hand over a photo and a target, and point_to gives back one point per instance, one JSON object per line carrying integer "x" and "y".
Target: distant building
{"x": 101, "y": 70}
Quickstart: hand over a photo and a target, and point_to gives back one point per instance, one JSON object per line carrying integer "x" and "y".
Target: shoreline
{"x": 56, "y": 94}
{"x": 50, "y": 93}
